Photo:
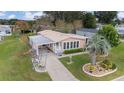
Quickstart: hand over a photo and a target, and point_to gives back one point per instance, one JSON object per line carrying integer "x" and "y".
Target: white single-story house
{"x": 5, "y": 30}
{"x": 57, "y": 41}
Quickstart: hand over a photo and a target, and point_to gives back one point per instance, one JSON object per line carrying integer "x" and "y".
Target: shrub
{"x": 113, "y": 66}
{"x": 108, "y": 65}
{"x": 91, "y": 68}
{"x": 73, "y": 51}
{"x": 104, "y": 65}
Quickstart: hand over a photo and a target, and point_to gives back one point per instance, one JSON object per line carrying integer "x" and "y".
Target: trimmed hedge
{"x": 73, "y": 51}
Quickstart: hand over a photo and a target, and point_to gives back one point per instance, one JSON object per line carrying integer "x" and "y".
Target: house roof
{"x": 4, "y": 28}
{"x": 88, "y": 30}
{"x": 120, "y": 29}
{"x": 40, "y": 40}
{"x": 58, "y": 36}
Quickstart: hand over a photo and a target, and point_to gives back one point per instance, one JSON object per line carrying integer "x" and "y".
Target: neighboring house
{"x": 120, "y": 29}
{"x": 57, "y": 41}
{"x": 5, "y": 30}
{"x": 86, "y": 32}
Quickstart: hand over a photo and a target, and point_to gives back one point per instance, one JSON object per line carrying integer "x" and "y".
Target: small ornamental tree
{"x": 98, "y": 45}
{"x": 111, "y": 34}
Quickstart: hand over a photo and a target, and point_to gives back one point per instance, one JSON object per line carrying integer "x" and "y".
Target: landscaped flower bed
{"x": 100, "y": 69}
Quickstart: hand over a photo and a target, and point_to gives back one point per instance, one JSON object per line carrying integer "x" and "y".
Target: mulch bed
{"x": 98, "y": 71}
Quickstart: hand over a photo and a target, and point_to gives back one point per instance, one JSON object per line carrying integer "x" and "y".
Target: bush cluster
{"x": 91, "y": 68}
{"x": 108, "y": 65}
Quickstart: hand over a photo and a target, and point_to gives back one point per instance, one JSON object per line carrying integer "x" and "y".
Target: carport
{"x": 38, "y": 40}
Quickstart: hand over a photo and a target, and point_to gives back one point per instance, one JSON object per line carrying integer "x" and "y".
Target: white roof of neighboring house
{"x": 5, "y": 27}
{"x": 58, "y": 36}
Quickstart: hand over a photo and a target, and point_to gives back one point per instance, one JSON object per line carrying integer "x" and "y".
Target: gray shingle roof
{"x": 88, "y": 30}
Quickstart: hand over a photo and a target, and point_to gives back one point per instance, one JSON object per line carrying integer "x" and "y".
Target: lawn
{"x": 14, "y": 65}
{"x": 116, "y": 55}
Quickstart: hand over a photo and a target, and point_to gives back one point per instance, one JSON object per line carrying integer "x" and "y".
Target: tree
{"x": 67, "y": 16}
{"x": 116, "y": 22}
{"x": 22, "y": 26}
{"x": 106, "y": 17}
{"x": 71, "y": 16}
{"x": 111, "y": 34}
{"x": 42, "y": 23}
{"x": 89, "y": 20}
{"x": 71, "y": 20}
{"x": 98, "y": 45}
{"x": 60, "y": 25}
{"x": 68, "y": 28}
{"x": 12, "y": 21}
{"x": 77, "y": 24}
{"x": 64, "y": 27}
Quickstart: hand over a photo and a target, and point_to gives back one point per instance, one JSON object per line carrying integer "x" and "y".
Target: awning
{"x": 39, "y": 40}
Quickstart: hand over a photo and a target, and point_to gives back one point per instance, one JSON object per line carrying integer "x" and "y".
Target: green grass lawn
{"x": 14, "y": 65}
{"x": 116, "y": 55}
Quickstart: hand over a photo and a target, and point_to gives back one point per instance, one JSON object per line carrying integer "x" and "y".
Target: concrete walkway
{"x": 57, "y": 70}
{"x": 121, "y": 78}
{"x": 74, "y": 54}
{"x": 122, "y": 40}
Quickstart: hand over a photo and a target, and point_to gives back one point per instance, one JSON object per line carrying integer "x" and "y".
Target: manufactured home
{"x": 5, "y": 30}
{"x": 57, "y": 41}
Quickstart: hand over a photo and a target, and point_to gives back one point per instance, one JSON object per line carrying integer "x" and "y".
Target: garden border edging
{"x": 98, "y": 75}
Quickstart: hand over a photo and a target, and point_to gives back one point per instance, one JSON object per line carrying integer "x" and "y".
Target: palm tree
{"x": 97, "y": 46}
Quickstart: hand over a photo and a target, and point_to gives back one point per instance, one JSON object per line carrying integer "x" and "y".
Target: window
{"x": 57, "y": 44}
{"x": 71, "y": 45}
{"x": 64, "y": 45}
{"x": 67, "y": 45}
{"x": 74, "y": 44}
{"x": 77, "y": 44}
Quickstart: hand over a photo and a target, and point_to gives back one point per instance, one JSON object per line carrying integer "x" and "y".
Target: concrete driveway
{"x": 57, "y": 70}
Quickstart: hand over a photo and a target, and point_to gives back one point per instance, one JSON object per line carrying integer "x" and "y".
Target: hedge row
{"x": 73, "y": 51}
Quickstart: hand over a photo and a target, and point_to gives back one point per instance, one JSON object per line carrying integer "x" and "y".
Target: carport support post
{"x": 37, "y": 51}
